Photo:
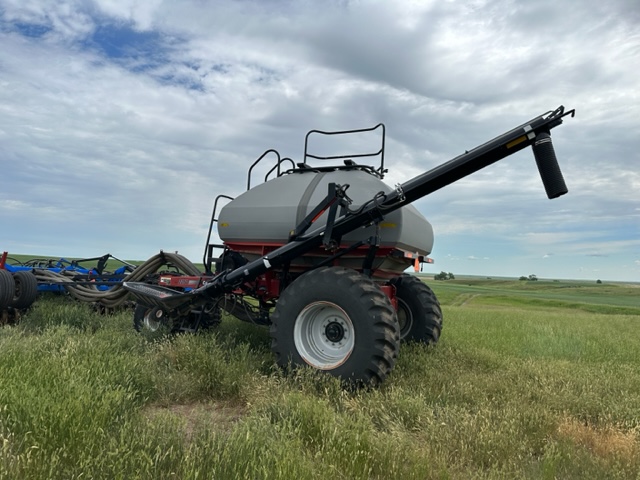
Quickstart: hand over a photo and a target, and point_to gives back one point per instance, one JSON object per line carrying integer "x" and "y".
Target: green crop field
{"x": 533, "y": 380}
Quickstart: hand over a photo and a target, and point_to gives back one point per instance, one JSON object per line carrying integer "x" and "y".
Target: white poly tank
{"x": 270, "y": 211}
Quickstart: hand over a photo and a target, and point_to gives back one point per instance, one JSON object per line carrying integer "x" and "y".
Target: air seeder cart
{"x": 318, "y": 254}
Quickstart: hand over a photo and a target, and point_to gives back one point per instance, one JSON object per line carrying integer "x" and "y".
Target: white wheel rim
{"x": 150, "y": 321}
{"x": 323, "y": 335}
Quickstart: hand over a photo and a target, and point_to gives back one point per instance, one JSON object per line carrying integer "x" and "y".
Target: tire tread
{"x": 383, "y": 350}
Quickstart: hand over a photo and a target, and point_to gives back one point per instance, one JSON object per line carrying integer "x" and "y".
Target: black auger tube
{"x": 548, "y": 166}
{"x": 480, "y": 157}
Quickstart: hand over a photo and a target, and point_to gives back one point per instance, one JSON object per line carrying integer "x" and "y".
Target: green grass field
{"x": 529, "y": 380}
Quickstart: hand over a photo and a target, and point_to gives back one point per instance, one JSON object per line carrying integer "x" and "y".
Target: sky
{"x": 122, "y": 120}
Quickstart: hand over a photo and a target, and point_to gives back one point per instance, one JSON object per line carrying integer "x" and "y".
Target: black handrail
{"x": 271, "y": 150}
{"x": 206, "y": 258}
{"x": 380, "y": 170}
{"x": 277, "y": 166}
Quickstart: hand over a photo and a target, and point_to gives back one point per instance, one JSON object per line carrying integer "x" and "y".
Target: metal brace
{"x": 400, "y": 192}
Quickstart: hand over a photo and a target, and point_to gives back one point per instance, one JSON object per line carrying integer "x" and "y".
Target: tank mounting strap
{"x": 336, "y": 196}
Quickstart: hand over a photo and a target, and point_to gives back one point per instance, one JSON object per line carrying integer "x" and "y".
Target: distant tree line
{"x": 533, "y": 278}
{"x": 444, "y": 276}
{"x": 530, "y": 278}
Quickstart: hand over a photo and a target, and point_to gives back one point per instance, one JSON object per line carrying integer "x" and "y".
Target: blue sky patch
{"x": 140, "y": 52}
{"x": 32, "y": 30}
{"x": 122, "y": 41}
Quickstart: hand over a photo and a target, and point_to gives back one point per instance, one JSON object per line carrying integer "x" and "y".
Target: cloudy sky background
{"x": 121, "y": 120}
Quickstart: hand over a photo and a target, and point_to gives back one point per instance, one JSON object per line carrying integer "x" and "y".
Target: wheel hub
{"x": 334, "y": 332}
{"x": 154, "y": 319}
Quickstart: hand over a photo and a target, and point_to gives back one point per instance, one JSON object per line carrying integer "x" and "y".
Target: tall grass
{"x": 511, "y": 391}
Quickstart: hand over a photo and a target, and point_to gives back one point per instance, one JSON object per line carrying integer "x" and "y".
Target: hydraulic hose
{"x": 116, "y": 295}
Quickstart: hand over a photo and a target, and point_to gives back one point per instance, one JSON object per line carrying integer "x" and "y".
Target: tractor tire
{"x": 154, "y": 323}
{"x": 151, "y": 322}
{"x": 26, "y": 289}
{"x": 211, "y": 318}
{"x": 7, "y": 289}
{"x": 336, "y": 320}
{"x": 419, "y": 312}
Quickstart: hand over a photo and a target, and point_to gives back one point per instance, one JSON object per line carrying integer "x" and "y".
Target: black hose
{"x": 116, "y": 295}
